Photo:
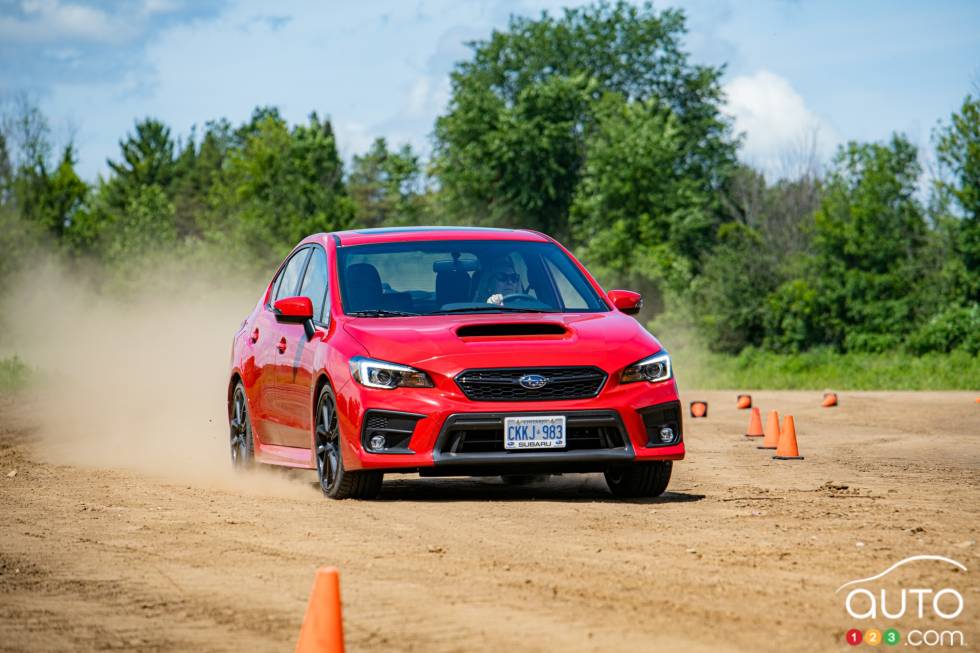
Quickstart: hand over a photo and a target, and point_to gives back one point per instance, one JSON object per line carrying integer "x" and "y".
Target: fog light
{"x": 666, "y": 434}
{"x": 377, "y": 442}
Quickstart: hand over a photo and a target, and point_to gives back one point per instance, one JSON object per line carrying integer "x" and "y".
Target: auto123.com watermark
{"x": 933, "y": 609}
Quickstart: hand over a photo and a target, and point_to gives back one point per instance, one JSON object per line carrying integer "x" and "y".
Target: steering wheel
{"x": 519, "y": 295}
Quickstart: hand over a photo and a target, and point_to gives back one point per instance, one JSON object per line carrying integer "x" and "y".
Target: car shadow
{"x": 568, "y": 489}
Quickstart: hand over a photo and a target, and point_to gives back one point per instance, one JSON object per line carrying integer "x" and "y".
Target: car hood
{"x": 448, "y": 344}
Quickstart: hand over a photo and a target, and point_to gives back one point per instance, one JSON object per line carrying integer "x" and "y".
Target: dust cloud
{"x": 135, "y": 379}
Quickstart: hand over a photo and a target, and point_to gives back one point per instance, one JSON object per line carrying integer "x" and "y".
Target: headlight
{"x": 653, "y": 369}
{"x": 379, "y": 374}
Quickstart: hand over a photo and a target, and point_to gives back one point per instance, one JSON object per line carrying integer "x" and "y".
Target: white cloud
{"x": 51, "y": 21}
{"x": 776, "y": 122}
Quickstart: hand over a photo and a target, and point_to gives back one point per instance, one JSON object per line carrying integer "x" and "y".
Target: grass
{"x": 14, "y": 373}
{"x": 818, "y": 370}
{"x": 698, "y": 368}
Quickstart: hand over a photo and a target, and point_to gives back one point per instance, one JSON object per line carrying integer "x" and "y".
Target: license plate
{"x": 534, "y": 432}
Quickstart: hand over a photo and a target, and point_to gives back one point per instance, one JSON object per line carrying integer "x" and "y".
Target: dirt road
{"x": 744, "y": 553}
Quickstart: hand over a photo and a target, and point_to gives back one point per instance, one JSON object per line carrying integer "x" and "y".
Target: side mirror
{"x": 294, "y": 309}
{"x": 627, "y": 301}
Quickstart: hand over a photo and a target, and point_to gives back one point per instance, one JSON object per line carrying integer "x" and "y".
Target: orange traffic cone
{"x": 829, "y": 399}
{"x": 771, "y": 440}
{"x": 755, "y": 425}
{"x": 323, "y": 626}
{"x": 787, "y": 449}
{"x": 744, "y": 402}
{"x": 699, "y": 409}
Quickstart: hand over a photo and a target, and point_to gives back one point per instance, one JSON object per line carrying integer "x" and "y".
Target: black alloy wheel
{"x": 335, "y": 481}
{"x": 242, "y": 443}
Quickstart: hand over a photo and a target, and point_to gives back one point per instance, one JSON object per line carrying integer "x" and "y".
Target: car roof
{"x": 406, "y": 234}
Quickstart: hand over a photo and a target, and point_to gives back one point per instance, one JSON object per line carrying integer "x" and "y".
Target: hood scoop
{"x": 511, "y": 330}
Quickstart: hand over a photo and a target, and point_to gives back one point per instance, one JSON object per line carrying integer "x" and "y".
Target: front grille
{"x": 484, "y": 433}
{"x": 503, "y": 384}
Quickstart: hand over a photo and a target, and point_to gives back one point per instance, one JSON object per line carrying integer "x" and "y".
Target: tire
{"x": 240, "y": 425}
{"x": 640, "y": 480}
{"x": 335, "y": 481}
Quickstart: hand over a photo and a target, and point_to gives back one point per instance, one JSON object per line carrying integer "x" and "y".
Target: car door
{"x": 274, "y": 335}
{"x": 295, "y": 365}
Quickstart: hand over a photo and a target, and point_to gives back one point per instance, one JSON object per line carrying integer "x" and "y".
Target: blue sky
{"x": 840, "y": 70}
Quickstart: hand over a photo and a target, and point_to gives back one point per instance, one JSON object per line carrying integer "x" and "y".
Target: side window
{"x": 315, "y": 282}
{"x": 289, "y": 277}
{"x": 570, "y": 297}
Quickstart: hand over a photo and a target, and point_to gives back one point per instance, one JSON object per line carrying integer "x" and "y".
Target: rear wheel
{"x": 242, "y": 442}
{"x": 335, "y": 481}
{"x": 641, "y": 480}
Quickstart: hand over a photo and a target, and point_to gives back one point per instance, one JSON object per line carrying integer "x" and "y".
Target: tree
{"x": 197, "y": 169}
{"x": 146, "y": 226}
{"x": 387, "y": 187}
{"x": 958, "y": 150}
{"x": 516, "y": 140}
{"x": 729, "y": 297}
{"x": 147, "y": 160}
{"x": 38, "y": 190}
{"x": 636, "y": 211}
{"x": 63, "y": 195}
{"x": 278, "y": 186}
{"x": 864, "y": 288}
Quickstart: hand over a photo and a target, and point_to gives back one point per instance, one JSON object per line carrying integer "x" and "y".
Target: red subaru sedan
{"x": 450, "y": 352}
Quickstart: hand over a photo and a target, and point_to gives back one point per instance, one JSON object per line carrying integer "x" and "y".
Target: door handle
{"x": 255, "y": 336}
{"x": 282, "y": 345}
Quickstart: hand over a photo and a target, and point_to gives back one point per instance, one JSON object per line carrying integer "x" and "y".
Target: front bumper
{"x": 623, "y": 409}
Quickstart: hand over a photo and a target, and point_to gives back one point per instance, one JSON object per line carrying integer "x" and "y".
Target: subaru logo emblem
{"x": 533, "y": 381}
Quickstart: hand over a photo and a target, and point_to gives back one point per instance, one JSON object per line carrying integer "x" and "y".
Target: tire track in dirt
{"x": 742, "y": 554}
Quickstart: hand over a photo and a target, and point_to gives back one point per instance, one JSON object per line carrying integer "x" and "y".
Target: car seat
{"x": 363, "y": 288}
{"x": 452, "y": 286}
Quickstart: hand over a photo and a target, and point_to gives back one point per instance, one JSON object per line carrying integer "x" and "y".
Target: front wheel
{"x": 640, "y": 480}
{"x": 335, "y": 481}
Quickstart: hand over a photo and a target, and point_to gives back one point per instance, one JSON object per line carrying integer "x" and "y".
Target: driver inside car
{"x": 503, "y": 280}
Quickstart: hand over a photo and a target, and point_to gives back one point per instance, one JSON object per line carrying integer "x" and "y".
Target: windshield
{"x": 462, "y": 276}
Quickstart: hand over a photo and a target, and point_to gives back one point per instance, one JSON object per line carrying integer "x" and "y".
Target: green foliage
{"x": 147, "y": 160}
{"x": 14, "y": 374}
{"x": 45, "y": 193}
{"x": 730, "y": 295}
{"x": 278, "y": 186}
{"x": 19, "y": 241}
{"x": 537, "y": 129}
{"x": 595, "y": 127}
{"x": 820, "y": 369}
{"x": 956, "y": 327}
{"x": 387, "y": 187}
{"x": 958, "y": 151}
{"x": 513, "y": 164}
{"x": 636, "y": 212}
{"x": 146, "y": 225}
{"x": 862, "y": 288}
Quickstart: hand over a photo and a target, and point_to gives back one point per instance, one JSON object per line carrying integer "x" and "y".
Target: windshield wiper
{"x": 490, "y": 307}
{"x": 381, "y": 312}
